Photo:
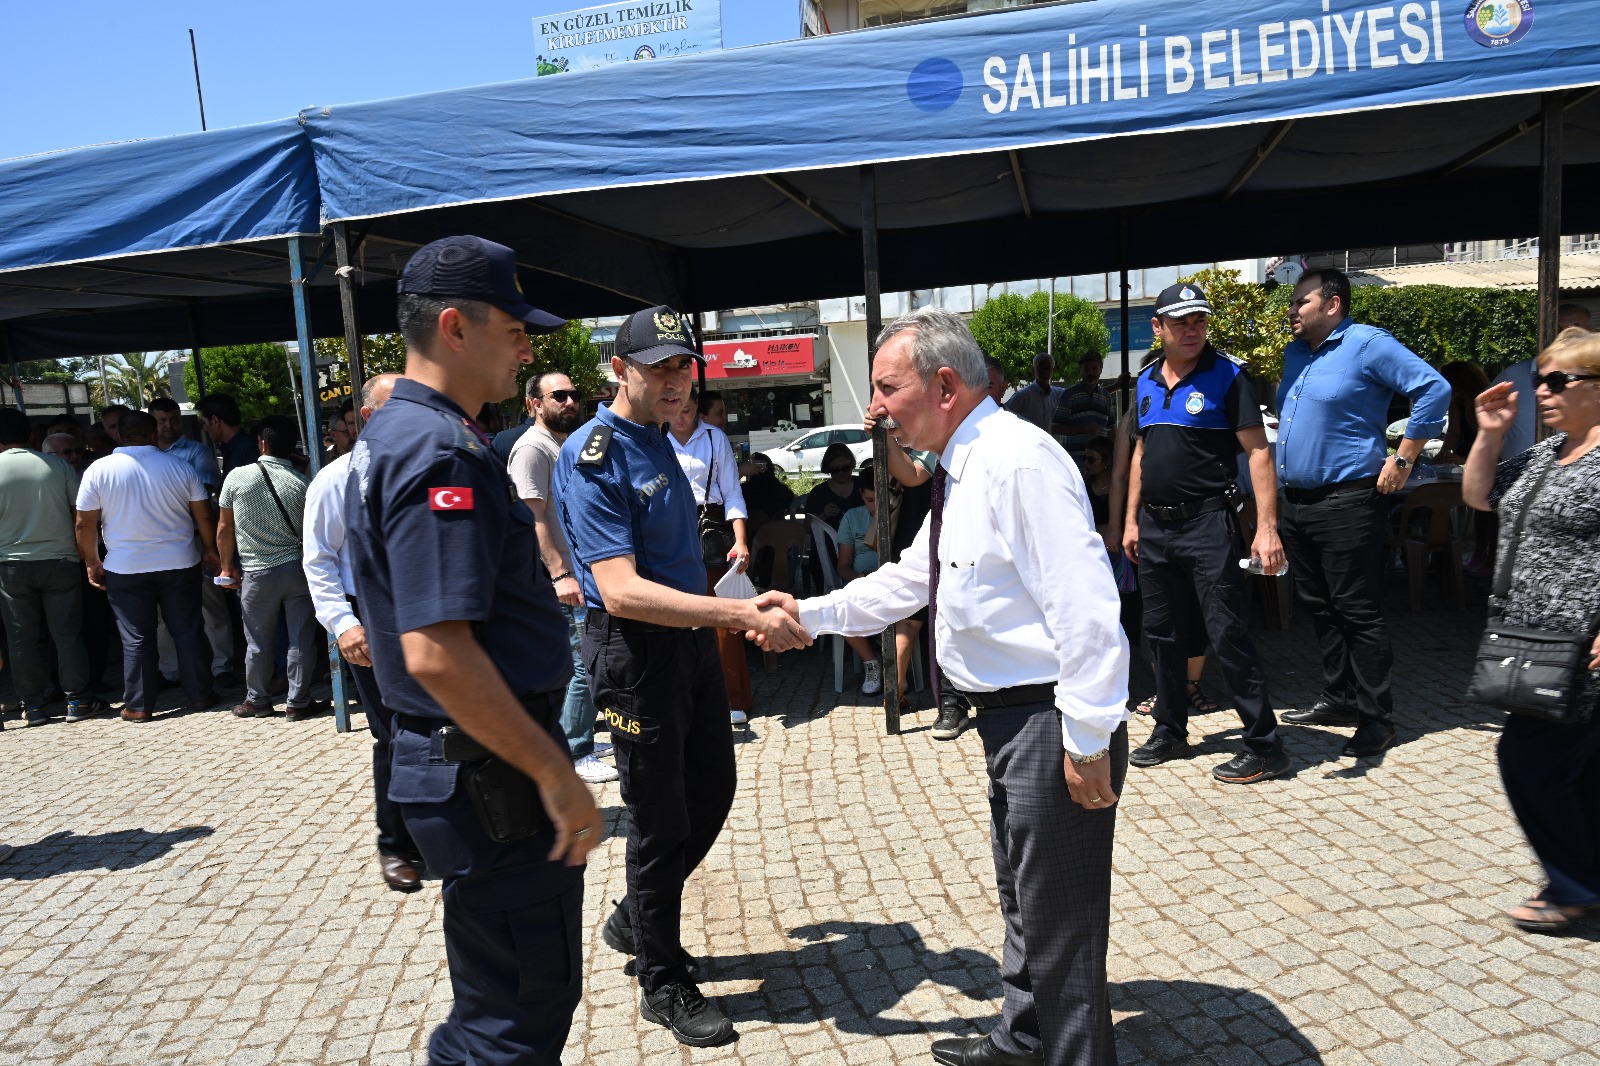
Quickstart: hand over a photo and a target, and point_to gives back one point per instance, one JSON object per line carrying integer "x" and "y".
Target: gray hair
{"x": 369, "y": 389}
{"x": 940, "y": 339}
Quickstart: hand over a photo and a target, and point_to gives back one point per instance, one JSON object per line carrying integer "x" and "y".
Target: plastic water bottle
{"x": 1253, "y": 564}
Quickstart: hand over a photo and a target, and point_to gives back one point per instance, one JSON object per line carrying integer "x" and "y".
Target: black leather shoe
{"x": 400, "y": 873}
{"x": 979, "y": 1051}
{"x": 1372, "y": 738}
{"x": 1246, "y": 768}
{"x": 693, "y": 1018}
{"x": 1158, "y": 750}
{"x": 1323, "y": 712}
{"x": 618, "y": 935}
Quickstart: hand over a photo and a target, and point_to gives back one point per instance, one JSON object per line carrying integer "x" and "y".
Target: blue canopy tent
{"x": 1036, "y": 142}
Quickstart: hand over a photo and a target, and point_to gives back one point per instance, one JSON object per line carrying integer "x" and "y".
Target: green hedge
{"x": 1491, "y": 327}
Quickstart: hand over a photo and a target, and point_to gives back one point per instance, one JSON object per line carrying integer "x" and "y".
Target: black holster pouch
{"x": 506, "y": 799}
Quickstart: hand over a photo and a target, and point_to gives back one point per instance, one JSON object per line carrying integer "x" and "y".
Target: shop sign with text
{"x": 760, "y": 357}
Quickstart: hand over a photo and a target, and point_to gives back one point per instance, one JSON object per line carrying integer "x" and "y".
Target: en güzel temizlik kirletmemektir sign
{"x": 615, "y": 33}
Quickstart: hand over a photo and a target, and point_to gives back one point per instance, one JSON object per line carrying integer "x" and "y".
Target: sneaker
{"x": 693, "y": 1018}
{"x": 951, "y": 721}
{"x": 603, "y": 750}
{"x": 738, "y": 718}
{"x": 594, "y": 771}
{"x": 618, "y": 935}
{"x": 82, "y": 708}
{"x": 35, "y": 714}
{"x": 1247, "y": 767}
{"x": 873, "y": 683}
{"x": 1159, "y": 749}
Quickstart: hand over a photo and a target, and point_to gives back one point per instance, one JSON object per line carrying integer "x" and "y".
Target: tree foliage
{"x": 1491, "y": 327}
{"x": 570, "y": 351}
{"x": 1014, "y": 328}
{"x": 256, "y": 375}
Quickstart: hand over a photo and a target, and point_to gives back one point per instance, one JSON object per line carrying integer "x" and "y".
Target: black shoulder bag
{"x": 1535, "y": 672}
{"x": 294, "y": 527}
{"x": 716, "y": 533}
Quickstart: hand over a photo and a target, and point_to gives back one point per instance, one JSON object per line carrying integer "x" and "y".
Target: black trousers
{"x": 135, "y": 599}
{"x": 1335, "y": 549}
{"x": 1052, "y": 866}
{"x": 1551, "y": 775}
{"x": 393, "y": 837}
{"x": 1180, "y": 563}
{"x": 663, "y": 695}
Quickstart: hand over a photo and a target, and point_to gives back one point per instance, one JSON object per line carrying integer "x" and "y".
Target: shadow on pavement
{"x": 1189, "y": 1022}
{"x": 67, "y": 852}
{"x": 851, "y": 973}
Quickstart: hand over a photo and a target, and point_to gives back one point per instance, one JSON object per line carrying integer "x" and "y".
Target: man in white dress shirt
{"x": 1025, "y": 616}
{"x": 327, "y": 565}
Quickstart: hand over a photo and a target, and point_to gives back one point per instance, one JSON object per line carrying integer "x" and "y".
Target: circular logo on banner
{"x": 645, "y": 52}
{"x": 935, "y": 84}
{"x": 1195, "y": 403}
{"x": 1497, "y": 23}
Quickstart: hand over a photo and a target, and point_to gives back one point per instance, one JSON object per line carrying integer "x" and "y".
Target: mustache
{"x": 889, "y": 423}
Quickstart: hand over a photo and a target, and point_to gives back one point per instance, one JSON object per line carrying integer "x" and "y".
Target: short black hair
{"x": 279, "y": 434}
{"x": 14, "y": 428}
{"x": 708, "y": 398}
{"x": 118, "y": 407}
{"x": 418, "y": 316}
{"x": 136, "y": 426}
{"x": 1331, "y": 282}
{"x": 162, "y": 403}
{"x": 220, "y": 405}
{"x": 536, "y": 383}
{"x": 994, "y": 364}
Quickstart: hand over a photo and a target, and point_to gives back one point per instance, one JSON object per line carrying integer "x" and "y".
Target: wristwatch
{"x": 1094, "y": 756}
{"x": 1401, "y": 462}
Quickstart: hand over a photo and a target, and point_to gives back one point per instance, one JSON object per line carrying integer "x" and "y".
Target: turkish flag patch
{"x": 450, "y": 498}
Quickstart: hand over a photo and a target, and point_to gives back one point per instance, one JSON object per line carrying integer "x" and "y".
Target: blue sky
{"x": 86, "y": 71}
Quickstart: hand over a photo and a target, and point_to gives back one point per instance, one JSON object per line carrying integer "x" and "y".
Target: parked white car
{"x": 803, "y": 455}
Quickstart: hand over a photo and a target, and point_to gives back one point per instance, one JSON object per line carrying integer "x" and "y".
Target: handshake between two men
{"x": 779, "y": 628}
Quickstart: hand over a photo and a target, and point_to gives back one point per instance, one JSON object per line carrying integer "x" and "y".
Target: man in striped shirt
{"x": 260, "y": 516}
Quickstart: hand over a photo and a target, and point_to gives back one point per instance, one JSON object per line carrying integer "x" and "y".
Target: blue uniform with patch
{"x": 1190, "y": 541}
{"x": 437, "y": 534}
{"x": 660, "y": 688}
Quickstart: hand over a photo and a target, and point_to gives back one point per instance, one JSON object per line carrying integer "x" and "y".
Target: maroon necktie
{"x": 937, "y": 519}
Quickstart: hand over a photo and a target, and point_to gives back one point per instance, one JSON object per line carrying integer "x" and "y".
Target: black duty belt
{"x": 1322, "y": 492}
{"x": 1011, "y": 697}
{"x": 1182, "y": 512}
{"x": 542, "y": 707}
{"x": 596, "y": 618}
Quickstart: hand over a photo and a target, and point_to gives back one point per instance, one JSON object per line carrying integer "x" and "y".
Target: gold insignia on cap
{"x": 667, "y": 322}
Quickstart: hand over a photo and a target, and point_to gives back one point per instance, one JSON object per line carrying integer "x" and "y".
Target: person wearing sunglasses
{"x": 832, "y": 498}
{"x": 1551, "y": 771}
{"x": 1335, "y": 470}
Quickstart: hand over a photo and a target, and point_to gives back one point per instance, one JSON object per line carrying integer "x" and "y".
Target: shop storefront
{"x": 769, "y": 384}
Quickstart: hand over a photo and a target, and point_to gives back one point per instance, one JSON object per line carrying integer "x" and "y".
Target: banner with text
{"x": 617, "y": 33}
{"x": 760, "y": 357}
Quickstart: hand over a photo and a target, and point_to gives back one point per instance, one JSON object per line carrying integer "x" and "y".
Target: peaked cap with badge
{"x": 471, "y": 268}
{"x": 654, "y": 334}
{"x": 1184, "y": 298}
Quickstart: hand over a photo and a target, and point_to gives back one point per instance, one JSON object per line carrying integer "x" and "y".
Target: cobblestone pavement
{"x": 203, "y": 890}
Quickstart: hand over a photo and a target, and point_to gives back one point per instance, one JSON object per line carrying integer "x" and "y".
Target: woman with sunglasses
{"x": 1551, "y": 772}
{"x": 830, "y": 500}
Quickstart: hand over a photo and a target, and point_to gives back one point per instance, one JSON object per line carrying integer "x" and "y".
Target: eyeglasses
{"x": 1558, "y": 380}
{"x": 563, "y": 395}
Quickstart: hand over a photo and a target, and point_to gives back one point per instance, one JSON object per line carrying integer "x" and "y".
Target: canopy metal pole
{"x": 1050, "y": 324}
{"x": 1122, "y": 256}
{"x": 302, "y": 323}
{"x": 1550, "y": 217}
{"x": 880, "y": 437}
{"x": 352, "y": 326}
{"x": 16, "y": 374}
{"x": 105, "y": 383}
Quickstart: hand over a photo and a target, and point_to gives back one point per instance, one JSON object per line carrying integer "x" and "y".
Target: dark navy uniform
{"x": 622, "y": 492}
{"x": 437, "y": 535}
{"x": 1189, "y": 538}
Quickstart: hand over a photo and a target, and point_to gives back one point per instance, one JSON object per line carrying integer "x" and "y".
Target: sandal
{"x": 1549, "y": 917}
{"x": 1199, "y": 702}
{"x": 1146, "y": 706}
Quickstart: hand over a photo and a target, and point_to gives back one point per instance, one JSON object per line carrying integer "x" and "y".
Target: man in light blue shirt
{"x": 1338, "y": 379}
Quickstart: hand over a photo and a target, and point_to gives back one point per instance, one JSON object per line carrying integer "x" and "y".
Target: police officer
{"x": 629, "y": 515}
{"x": 470, "y": 652}
{"x": 1197, "y": 412}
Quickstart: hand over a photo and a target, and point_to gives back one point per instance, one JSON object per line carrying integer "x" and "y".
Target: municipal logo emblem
{"x": 1144, "y": 406}
{"x": 1195, "y": 403}
{"x": 645, "y": 52}
{"x": 1497, "y": 23}
{"x": 1186, "y": 293}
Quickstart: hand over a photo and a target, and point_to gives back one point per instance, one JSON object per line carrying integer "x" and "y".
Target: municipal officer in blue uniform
{"x": 1197, "y": 411}
{"x": 470, "y": 651}
{"x": 629, "y": 515}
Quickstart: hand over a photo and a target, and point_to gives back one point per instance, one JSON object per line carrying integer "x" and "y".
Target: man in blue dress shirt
{"x": 1338, "y": 378}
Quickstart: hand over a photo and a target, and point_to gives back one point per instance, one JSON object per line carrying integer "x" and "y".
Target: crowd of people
{"x": 498, "y": 600}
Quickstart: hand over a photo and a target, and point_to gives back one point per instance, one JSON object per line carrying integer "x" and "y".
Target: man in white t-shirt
{"x": 147, "y": 505}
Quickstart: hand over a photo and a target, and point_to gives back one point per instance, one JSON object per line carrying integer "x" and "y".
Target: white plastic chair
{"x": 827, "y": 543}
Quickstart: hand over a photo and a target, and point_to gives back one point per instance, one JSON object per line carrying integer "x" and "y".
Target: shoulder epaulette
{"x": 595, "y": 448}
